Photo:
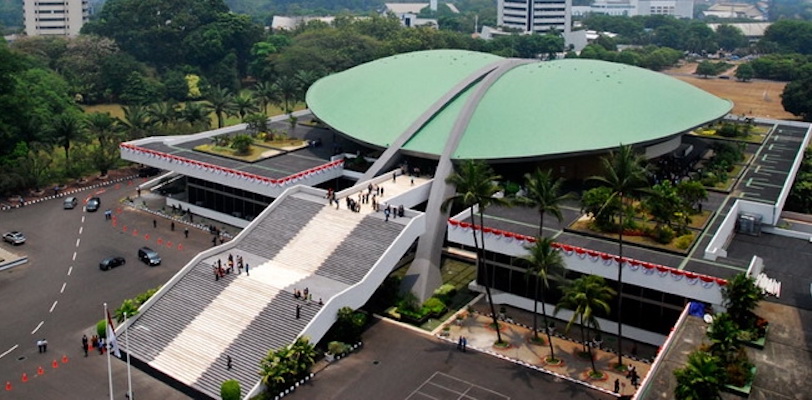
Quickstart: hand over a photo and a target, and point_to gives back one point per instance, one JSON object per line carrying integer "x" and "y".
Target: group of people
{"x": 97, "y": 342}
{"x": 220, "y": 271}
{"x": 304, "y": 295}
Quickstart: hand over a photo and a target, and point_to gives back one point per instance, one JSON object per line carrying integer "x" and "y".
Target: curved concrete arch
{"x": 423, "y": 276}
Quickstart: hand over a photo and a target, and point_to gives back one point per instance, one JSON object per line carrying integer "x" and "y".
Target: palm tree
{"x": 103, "y": 128}
{"x": 544, "y": 194}
{"x": 290, "y": 90}
{"x": 267, "y": 93}
{"x": 67, "y": 128}
{"x": 137, "y": 122}
{"x": 543, "y": 262}
{"x": 624, "y": 175}
{"x": 163, "y": 114}
{"x": 244, "y": 104}
{"x": 741, "y": 297}
{"x": 220, "y": 102}
{"x": 474, "y": 183}
{"x": 306, "y": 78}
{"x": 195, "y": 114}
{"x": 586, "y": 296}
{"x": 701, "y": 378}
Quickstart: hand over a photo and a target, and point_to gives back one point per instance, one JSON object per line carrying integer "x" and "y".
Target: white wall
{"x": 230, "y": 177}
{"x": 636, "y": 272}
{"x": 716, "y": 247}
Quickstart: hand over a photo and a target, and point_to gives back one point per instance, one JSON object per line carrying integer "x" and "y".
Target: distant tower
{"x": 55, "y": 18}
{"x": 433, "y": 5}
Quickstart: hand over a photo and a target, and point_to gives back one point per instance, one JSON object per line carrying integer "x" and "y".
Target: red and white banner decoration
{"x": 232, "y": 173}
{"x": 661, "y": 271}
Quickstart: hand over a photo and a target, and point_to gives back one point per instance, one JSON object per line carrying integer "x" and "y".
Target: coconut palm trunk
{"x": 481, "y": 262}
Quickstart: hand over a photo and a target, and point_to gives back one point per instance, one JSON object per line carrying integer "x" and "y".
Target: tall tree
{"x": 137, "y": 122}
{"x": 267, "y": 93}
{"x": 624, "y": 174}
{"x": 290, "y": 92}
{"x": 475, "y": 185}
{"x": 221, "y": 103}
{"x": 103, "y": 128}
{"x": 544, "y": 194}
{"x": 543, "y": 262}
{"x": 586, "y": 296}
{"x": 66, "y": 129}
{"x": 244, "y": 104}
{"x": 196, "y": 115}
{"x": 164, "y": 114}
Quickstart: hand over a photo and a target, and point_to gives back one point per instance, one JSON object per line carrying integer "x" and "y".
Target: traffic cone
{"x": 40, "y": 371}
{"x": 8, "y": 386}
{"x": 180, "y": 247}
{"x": 64, "y": 359}
{"x": 55, "y": 364}
{"x": 25, "y": 377}
{"x": 169, "y": 244}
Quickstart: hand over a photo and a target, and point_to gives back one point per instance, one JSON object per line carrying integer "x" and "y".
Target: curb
{"x": 67, "y": 193}
{"x": 535, "y": 367}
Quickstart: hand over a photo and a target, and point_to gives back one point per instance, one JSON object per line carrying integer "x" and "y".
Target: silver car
{"x": 69, "y": 203}
{"x": 14, "y": 237}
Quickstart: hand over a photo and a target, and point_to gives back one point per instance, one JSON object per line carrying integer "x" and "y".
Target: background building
{"x": 535, "y": 16}
{"x": 55, "y": 18}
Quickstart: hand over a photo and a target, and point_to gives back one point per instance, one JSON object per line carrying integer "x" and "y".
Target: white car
{"x": 14, "y": 237}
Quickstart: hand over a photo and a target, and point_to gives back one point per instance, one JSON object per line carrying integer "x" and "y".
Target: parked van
{"x": 70, "y": 203}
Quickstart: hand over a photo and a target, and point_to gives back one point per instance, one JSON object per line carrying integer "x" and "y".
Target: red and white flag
{"x": 112, "y": 343}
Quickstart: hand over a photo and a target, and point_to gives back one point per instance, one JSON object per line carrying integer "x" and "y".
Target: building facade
{"x": 630, "y": 8}
{"x": 55, "y": 18}
{"x": 535, "y": 16}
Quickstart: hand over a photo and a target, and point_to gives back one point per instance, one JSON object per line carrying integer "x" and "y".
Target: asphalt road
{"x": 59, "y": 294}
{"x": 400, "y": 364}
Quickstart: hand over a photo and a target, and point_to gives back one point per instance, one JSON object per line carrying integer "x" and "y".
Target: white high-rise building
{"x": 535, "y": 16}
{"x": 55, "y": 17}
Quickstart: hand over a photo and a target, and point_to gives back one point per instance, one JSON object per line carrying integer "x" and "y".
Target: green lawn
{"x": 115, "y": 110}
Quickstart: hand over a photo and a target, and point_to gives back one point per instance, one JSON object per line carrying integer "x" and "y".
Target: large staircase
{"x": 197, "y": 322}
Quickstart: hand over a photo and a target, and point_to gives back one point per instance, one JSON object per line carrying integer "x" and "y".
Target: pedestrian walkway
{"x": 476, "y": 328}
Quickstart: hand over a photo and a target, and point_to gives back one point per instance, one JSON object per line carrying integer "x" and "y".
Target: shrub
{"x": 230, "y": 390}
{"x": 101, "y": 328}
{"x": 664, "y": 234}
{"x": 349, "y": 325}
{"x": 337, "y": 348}
{"x": 684, "y": 241}
{"x": 511, "y": 188}
{"x": 433, "y": 306}
{"x": 445, "y": 292}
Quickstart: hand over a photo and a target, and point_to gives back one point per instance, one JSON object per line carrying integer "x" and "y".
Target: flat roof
{"x": 535, "y": 110}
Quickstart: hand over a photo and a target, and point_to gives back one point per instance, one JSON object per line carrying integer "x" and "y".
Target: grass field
{"x": 756, "y": 98}
{"x": 116, "y": 111}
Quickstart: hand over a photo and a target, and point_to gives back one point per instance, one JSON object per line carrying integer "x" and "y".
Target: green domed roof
{"x": 537, "y": 109}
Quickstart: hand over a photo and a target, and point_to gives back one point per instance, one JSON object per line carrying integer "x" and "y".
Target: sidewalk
{"x": 476, "y": 329}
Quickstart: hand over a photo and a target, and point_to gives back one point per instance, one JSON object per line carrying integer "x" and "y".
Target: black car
{"x": 149, "y": 256}
{"x": 93, "y": 204}
{"x": 111, "y": 262}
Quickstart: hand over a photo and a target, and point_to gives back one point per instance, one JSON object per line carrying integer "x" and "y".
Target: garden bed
{"x": 584, "y": 226}
{"x": 743, "y": 391}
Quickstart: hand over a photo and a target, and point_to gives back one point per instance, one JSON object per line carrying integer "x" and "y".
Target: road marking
{"x": 64, "y": 284}
{"x": 83, "y": 219}
{"x": 80, "y": 229}
{"x": 70, "y": 270}
{"x": 74, "y": 256}
{"x": 9, "y": 350}
{"x": 77, "y": 242}
{"x": 53, "y": 306}
{"x": 37, "y": 328}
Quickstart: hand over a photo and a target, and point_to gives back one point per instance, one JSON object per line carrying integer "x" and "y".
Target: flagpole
{"x": 127, "y": 343}
{"x": 109, "y": 370}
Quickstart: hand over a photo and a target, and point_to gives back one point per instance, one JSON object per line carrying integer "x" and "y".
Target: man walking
{"x": 186, "y": 232}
